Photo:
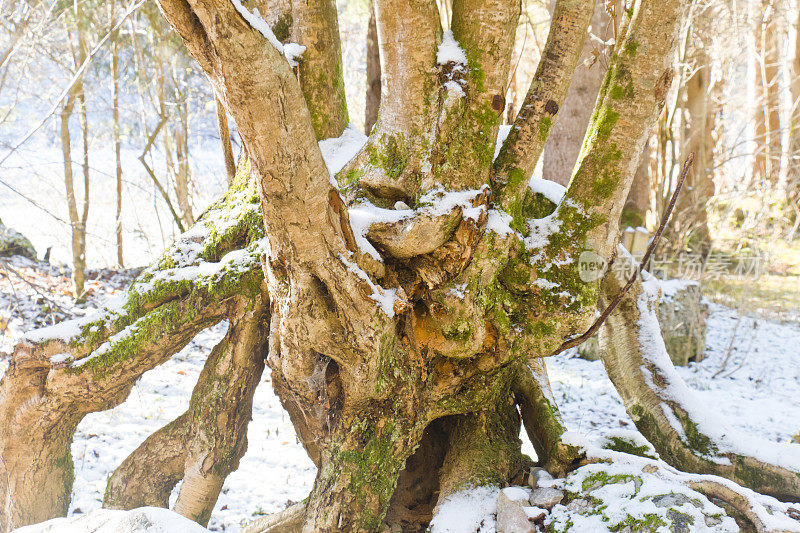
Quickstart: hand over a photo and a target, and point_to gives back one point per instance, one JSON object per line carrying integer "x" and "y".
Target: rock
{"x": 670, "y": 500}
{"x": 536, "y": 475}
{"x": 511, "y": 516}
{"x": 681, "y": 314}
{"x": 13, "y": 242}
{"x": 546, "y": 497}
{"x": 681, "y": 522}
{"x": 712, "y": 521}
{"x": 577, "y": 505}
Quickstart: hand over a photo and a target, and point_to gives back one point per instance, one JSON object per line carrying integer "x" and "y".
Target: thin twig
{"x": 575, "y": 341}
{"x": 32, "y": 285}
{"x": 730, "y": 348}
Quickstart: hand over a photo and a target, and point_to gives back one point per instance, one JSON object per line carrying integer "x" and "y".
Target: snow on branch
{"x": 291, "y": 51}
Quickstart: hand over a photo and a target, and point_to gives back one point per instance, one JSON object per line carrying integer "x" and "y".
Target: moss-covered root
{"x": 43, "y": 397}
{"x": 204, "y": 444}
{"x": 542, "y": 420}
{"x": 60, "y": 375}
{"x": 358, "y": 471}
{"x": 220, "y": 409}
{"x": 667, "y": 413}
{"x": 148, "y": 475}
{"x": 483, "y": 448}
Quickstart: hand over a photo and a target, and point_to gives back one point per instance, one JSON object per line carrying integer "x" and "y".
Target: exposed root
{"x": 666, "y": 412}
{"x": 60, "y": 374}
{"x": 290, "y": 520}
{"x": 148, "y": 475}
{"x": 204, "y": 444}
{"x": 542, "y": 420}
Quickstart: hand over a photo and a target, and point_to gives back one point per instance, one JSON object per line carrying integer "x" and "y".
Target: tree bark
{"x": 225, "y": 140}
{"x": 373, "y": 99}
{"x": 634, "y": 212}
{"x": 117, "y": 143}
{"x": 568, "y": 130}
{"x": 690, "y": 222}
{"x": 766, "y": 112}
{"x": 414, "y": 328}
{"x": 315, "y": 25}
{"x": 520, "y": 152}
{"x": 53, "y": 381}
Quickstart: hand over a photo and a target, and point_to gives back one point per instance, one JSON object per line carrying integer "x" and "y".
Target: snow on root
{"x": 142, "y": 520}
{"x": 724, "y": 439}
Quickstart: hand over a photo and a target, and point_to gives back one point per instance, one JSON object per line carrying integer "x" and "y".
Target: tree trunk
{"x": 53, "y": 381}
{"x": 225, "y": 140}
{"x": 182, "y": 172}
{"x": 767, "y": 156}
{"x": 689, "y": 226}
{"x": 566, "y": 138}
{"x": 117, "y": 143}
{"x": 406, "y": 345}
{"x": 634, "y": 213}
{"x": 77, "y": 217}
{"x": 373, "y": 99}
{"x": 793, "y": 171}
{"x": 667, "y": 413}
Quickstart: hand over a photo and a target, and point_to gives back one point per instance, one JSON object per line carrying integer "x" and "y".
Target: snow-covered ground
{"x": 756, "y": 393}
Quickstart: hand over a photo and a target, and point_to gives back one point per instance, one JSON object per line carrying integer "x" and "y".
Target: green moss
{"x": 373, "y": 464}
{"x": 459, "y": 331}
{"x": 696, "y": 439}
{"x": 283, "y": 27}
{"x": 544, "y": 128}
{"x": 605, "y": 123}
{"x": 649, "y": 523}
{"x": 619, "y": 444}
{"x": 604, "y": 478}
{"x": 631, "y": 48}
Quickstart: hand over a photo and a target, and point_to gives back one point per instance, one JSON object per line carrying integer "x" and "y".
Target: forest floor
{"x": 750, "y": 376}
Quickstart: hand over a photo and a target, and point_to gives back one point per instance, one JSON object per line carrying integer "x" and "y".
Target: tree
{"x": 405, "y": 343}
{"x": 77, "y": 23}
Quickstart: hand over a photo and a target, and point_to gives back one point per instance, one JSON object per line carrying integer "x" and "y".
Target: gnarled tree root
{"x": 203, "y": 445}
{"x": 290, "y": 520}
{"x": 542, "y": 420}
{"x": 666, "y": 412}
{"x": 60, "y": 375}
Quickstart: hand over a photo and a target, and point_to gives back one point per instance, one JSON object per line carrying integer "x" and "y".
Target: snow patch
{"x": 499, "y": 222}
{"x": 141, "y": 520}
{"x": 385, "y": 298}
{"x": 434, "y": 203}
{"x": 550, "y": 189}
{"x": 724, "y": 438}
{"x": 450, "y": 52}
{"x": 338, "y": 151}
{"x": 470, "y": 509}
